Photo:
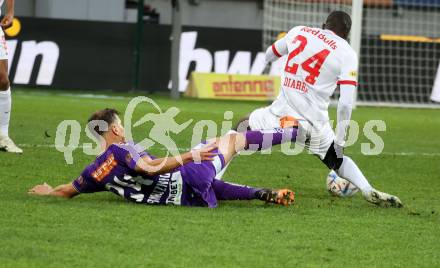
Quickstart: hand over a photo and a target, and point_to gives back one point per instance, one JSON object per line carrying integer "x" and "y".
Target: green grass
{"x": 318, "y": 231}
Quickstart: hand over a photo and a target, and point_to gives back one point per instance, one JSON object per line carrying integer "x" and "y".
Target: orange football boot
{"x": 281, "y": 197}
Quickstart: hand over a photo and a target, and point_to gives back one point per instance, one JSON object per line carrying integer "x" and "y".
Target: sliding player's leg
{"x": 230, "y": 191}
{"x": 244, "y": 125}
{"x": 322, "y": 144}
{"x": 203, "y": 189}
{"x": 5, "y": 103}
{"x": 233, "y": 143}
{"x": 254, "y": 140}
{"x": 262, "y": 119}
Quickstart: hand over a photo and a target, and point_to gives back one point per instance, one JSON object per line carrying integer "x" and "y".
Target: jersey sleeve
{"x": 86, "y": 184}
{"x": 345, "y": 106}
{"x": 276, "y": 50}
{"x": 129, "y": 154}
{"x": 279, "y": 48}
{"x": 349, "y": 70}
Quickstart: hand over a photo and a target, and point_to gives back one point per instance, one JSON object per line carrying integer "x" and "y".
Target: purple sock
{"x": 228, "y": 191}
{"x": 261, "y": 140}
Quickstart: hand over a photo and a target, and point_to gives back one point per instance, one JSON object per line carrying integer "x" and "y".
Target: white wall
{"x": 101, "y": 10}
{"x": 245, "y": 14}
{"x": 24, "y": 8}
{"x": 214, "y": 13}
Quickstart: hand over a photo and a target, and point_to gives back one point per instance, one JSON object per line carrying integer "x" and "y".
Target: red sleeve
{"x": 347, "y": 82}
{"x": 275, "y": 51}
{"x": 349, "y": 69}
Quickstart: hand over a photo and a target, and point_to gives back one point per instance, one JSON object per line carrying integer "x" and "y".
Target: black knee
{"x": 331, "y": 159}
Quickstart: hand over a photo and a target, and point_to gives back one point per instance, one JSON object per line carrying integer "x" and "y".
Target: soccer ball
{"x": 338, "y": 186}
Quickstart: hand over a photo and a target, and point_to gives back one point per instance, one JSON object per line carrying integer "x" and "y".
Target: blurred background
{"x": 125, "y": 45}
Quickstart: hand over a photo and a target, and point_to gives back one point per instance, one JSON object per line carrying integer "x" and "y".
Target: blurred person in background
{"x": 6, "y": 144}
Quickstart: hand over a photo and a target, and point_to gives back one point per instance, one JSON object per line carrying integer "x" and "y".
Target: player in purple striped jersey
{"x": 137, "y": 176}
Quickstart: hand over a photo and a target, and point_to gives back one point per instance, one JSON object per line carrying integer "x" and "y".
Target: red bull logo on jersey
{"x": 316, "y": 32}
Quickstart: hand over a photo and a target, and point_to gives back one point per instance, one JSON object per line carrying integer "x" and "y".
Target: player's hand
{"x": 41, "y": 189}
{"x": 205, "y": 153}
{"x": 6, "y": 22}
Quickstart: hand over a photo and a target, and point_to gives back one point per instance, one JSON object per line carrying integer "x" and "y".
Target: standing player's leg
{"x": 346, "y": 168}
{"x": 351, "y": 172}
{"x": 5, "y": 102}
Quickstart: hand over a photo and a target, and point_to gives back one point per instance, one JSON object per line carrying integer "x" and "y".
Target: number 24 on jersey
{"x": 312, "y": 65}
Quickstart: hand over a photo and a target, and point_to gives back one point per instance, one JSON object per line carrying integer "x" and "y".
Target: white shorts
{"x": 317, "y": 139}
{"x": 3, "y": 46}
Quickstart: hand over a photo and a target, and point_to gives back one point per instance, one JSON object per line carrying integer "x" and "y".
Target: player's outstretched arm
{"x": 152, "y": 167}
{"x": 64, "y": 190}
{"x": 347, "y": 80}
{"x": 345, "y": 106}
{"x": 276, "y": 50}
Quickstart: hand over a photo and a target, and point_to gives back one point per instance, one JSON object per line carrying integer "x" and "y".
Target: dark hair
{"x": 339, "y": 22}
{"x": 107, "y": 115}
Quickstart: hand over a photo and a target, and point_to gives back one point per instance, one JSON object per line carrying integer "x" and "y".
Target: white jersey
{"x": 318, "y": 60}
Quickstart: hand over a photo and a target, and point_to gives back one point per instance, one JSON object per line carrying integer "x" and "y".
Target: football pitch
{"x": 103, "y": 230}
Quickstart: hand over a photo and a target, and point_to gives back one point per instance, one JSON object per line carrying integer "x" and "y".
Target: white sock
{"x": 5, "y": 111}
{"x": 350, "y": 171}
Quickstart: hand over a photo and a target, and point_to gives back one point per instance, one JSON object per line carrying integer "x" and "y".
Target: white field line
{"x": 25, "y": 145}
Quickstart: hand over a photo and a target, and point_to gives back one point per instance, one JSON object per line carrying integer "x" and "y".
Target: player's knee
{"x": 4, "y": 81}
{"x": 242, "y": 125}
{"x": 233, "y": 143}
{"x": 331, "y": 159}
